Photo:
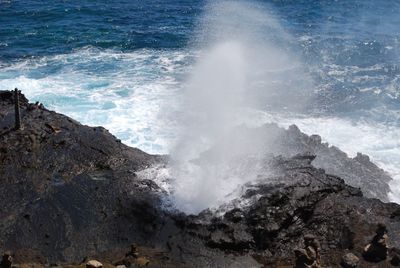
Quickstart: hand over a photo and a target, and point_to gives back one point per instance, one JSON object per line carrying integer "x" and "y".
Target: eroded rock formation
{"x": 72, "y": 192}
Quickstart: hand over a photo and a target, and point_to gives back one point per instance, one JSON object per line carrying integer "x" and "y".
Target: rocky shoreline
{"x": 72, "y": 193}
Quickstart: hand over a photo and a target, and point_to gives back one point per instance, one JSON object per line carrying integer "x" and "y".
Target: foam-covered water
{"x": 123, "y": 92}
{"x": 125, "y": 66}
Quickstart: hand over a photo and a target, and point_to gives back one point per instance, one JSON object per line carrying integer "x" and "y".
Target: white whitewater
{"x": 242, "y": 63}
{"x": 235, "y": 72}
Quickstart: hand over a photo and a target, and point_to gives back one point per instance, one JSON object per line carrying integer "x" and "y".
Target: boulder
{"x": 94, "y": 264}
{"x": 350, "y": 260}
{"x": 309, "y": 256}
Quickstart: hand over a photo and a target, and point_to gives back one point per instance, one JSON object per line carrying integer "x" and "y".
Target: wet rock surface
{"x": 358, "y": 172}
{"x": 307, "y": 201}
{"x": 71, "y": 192}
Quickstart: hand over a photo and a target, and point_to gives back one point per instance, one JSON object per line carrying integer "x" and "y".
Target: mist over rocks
{"x": 299, "y": 200}
{"x": 251, "y": 149}
{"x": 71, "y": 192}
{"x": 358, "y": 172}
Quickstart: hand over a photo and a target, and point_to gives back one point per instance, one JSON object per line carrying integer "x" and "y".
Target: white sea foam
{"x": 237, "y": 70}
{"x": 123, "y": 92}
{"x": 128, "y": 98}
{"x": 129, "y": 94}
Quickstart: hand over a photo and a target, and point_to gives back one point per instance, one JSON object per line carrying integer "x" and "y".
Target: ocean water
{"x": 331, "y": 67}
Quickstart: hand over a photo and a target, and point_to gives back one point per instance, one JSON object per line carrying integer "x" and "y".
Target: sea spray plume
{"x": 241, "y": 64}
{"x": 276, "y": 77}
{"x": 210, "y": 110}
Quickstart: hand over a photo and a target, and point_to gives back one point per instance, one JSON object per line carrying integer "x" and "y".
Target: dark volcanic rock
{"x": 358, "y": 172}
{"x": 307, "y": 201}
{"x": 395, "y": 258}
{"x": 309, "y": 256}
{"x": 70, "y": 191}
{"x": 6, "y": 260}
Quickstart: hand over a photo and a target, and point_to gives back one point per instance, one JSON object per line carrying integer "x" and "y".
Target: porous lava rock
{"x": 70, "y": 192}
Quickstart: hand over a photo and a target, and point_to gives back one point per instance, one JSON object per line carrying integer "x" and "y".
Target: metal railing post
{"x": 17, "y": 111}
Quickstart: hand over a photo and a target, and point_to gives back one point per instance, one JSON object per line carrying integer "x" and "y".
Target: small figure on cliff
{"x": 309, "y": 256}
{"x": 133, "y": 258}
{"x": 133, "y": 252}
{"x": 377, "y": 249}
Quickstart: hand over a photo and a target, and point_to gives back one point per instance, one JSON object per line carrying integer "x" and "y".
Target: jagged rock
{"x": 6, "y": 261}
{"x": 309, "y": 256}
{"x": 306, "y": 200}
{"x": 358, "y": 172}
{"x": 76, "y": 176}
{"x": 349, "y": 260}
{"x": 377, "y": 250}
{"x": 78, "y": 192}
{"x": 395, "y": 261}
{"x": 316, "y": 139}
{"x": 94, "y": 264}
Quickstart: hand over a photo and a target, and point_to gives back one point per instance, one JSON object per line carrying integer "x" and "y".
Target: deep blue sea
{"x": 331, "y": 67}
